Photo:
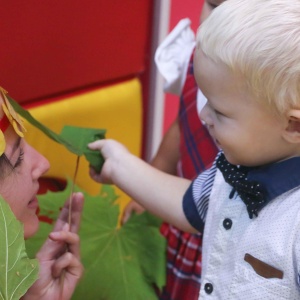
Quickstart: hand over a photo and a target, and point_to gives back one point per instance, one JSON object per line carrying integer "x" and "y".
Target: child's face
{"x": 247, "y": 132}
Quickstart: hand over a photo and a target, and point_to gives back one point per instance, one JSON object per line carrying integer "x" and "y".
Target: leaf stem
{"x": 62, "y": 278}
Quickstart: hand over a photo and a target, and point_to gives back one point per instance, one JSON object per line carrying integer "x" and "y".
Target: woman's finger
{"x": 67, "y": 262}
{"x": 77, "y": 206}
{"x": 70, "y": 239}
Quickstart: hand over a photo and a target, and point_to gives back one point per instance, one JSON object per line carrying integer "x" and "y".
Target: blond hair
{"x": 260, "y": 39}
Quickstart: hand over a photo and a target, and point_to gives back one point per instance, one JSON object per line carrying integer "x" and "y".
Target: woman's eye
{"x": 20, "y": 159}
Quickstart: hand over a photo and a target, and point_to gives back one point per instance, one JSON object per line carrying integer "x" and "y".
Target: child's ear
{"x": 292, "y": 130}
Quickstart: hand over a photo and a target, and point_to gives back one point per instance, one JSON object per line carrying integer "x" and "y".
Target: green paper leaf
{"x": 17, "y": 271}
{"x": 75, "y": 139}
{"x": 80, "y": 137}
{"x": 120, "y": 263}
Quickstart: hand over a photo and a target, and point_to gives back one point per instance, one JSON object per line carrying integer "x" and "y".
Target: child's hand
{"x": 131, "y": 207}
{"x": 113, "y": 153}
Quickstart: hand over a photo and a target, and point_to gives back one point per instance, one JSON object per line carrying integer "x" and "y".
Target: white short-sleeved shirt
{"x": 239, "y": 252}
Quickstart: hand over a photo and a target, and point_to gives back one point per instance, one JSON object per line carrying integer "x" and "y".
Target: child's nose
{"x": 204, "y": 114}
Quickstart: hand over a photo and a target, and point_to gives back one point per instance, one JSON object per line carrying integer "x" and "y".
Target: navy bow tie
{"x": 251, "y": 192}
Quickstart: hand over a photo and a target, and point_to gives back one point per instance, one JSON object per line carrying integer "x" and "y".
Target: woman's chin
{"x": 31, "y": 227}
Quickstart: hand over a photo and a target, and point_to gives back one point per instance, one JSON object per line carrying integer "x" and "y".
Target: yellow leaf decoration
{"x": 16, "y": 123}
{"x": 13, "y": 117}
{"x": 3, "y": 91}
{"x": 2, "y": 143}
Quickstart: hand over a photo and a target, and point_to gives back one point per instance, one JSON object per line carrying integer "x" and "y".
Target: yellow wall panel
{"x": 116, "y": 108}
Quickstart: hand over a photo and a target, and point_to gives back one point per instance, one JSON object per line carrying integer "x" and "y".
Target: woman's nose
{"x": 45, "y": 165}
{"x": 204, "y": 114}
{"x": 41, "y": 165}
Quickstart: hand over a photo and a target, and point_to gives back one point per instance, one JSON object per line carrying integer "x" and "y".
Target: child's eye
{"x": 215, "y": 111}
{"x": 218, "y": 113}
{"x": 20, "y": 159}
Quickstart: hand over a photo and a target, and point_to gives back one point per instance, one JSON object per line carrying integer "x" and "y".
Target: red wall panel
{"x": 51, "y": 47}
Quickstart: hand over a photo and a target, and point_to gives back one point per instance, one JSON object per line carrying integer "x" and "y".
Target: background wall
{"x": 54, "y": 48}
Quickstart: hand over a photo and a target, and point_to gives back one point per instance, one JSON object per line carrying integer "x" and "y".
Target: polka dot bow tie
{"x": 251, "y": 192}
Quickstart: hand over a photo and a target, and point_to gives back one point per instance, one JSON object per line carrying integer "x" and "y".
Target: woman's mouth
{"x": 33, "y": 203}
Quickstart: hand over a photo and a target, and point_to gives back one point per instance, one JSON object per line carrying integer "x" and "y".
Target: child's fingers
{"x": 126, "y": 215}
{"x": 132, "y": 207}
{"x": 94, "y": 175}
{"x": 97, "y": 145}
{"x": 93, "y": 172}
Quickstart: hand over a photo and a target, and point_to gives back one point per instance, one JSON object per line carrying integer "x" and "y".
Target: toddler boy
{"x": 247, "y": 64}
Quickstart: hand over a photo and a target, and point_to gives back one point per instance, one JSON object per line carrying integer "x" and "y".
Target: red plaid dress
{"x": 198, "y": 152}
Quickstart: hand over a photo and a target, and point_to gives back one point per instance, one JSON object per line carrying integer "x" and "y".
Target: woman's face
{"x": 19, "y": 179}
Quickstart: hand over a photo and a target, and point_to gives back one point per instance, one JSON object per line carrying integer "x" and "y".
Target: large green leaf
{"x": 121, "y": 263}
{"x": 75, "y": 139}
{"x": 17, "y": 271}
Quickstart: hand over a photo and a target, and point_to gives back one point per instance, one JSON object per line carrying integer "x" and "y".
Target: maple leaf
{"x": 17, "y": 271}
{"x": 120, "y": 262}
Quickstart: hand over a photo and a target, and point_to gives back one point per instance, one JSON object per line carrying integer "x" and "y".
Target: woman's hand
{"x": 59, "y": 257}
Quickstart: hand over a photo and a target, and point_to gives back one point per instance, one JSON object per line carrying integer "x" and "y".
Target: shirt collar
{"x": 277, "y": 178}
